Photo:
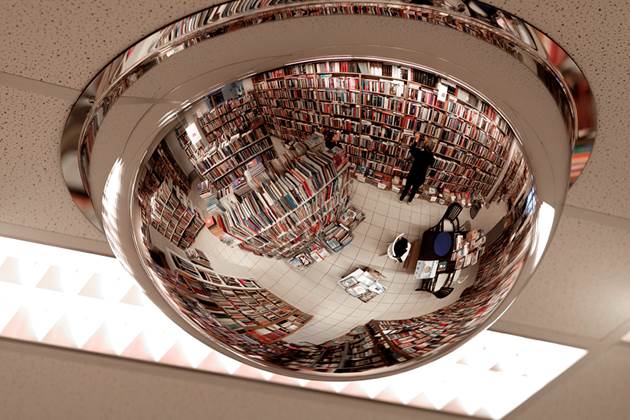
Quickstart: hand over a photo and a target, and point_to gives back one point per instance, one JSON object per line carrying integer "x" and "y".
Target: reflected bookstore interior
{"x": 337, "y": 215}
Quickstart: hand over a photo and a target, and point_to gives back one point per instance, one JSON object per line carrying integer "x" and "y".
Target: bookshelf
{"x": 174, "y": 216}
{"x": 378, "y": 106}
{"x": 239, "y": 305}
{"x": 286, "y": 211}
{"x": 233, "y": 134}
{"x": 160, "y": 167}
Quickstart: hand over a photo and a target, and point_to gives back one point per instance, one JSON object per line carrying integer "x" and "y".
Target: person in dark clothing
{"x": 332, "y": 138}
{"x": 422, "y": 160}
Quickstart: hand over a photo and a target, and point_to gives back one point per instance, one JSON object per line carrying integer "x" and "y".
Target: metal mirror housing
{"x": 246, "y": 164}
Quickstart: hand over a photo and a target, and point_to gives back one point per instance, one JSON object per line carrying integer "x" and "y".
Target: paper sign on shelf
{"x": 193, "y": 133}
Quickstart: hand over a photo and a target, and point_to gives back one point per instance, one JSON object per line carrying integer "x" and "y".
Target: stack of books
{"x": 337, "y": 237}
{"x": 351, "y": 217}
{"x": 283, "y": 211}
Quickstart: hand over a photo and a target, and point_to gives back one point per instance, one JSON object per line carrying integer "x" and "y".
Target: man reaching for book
{"x": 422, "y": 160}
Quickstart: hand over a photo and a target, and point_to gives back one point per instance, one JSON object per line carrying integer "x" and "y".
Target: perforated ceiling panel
{"x": 596, "y": 34}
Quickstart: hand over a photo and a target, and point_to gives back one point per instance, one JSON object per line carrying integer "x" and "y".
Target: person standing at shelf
{"x": 332, "y": 138}
{"x": 423, "y": 159}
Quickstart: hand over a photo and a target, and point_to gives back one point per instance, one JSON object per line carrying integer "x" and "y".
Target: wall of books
{"x": 174, "y": 216}
{"x": 160, "y": 169}
{"x": 239, "y": 305}
{"x": 289, "y": 208}
{"x": 379, "y": 106}
{"x": 230, "y": 134}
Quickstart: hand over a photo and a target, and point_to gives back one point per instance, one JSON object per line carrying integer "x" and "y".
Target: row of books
{"x": 316, "y": 94}
{"x": 389, "y": 103}
{"x": 491, "y": 136}
{"x": 254, "y": 311}
{"x": 449, "y": 136}
{"x": 289, "y": 112}
{"x": 374, "y": 156}
{"x": 301, "y": 129}
{"x": 223, "y": 127}
{"x": 236, "y": 143}
{"x": 413, "y": 116}
{"x": 448, "y": 166}
{"x": 226, "y": 110}
{"x": 224, "y": 177}
{"x": 456, "y": 182}
{"x": 381, "y": 116}
{"x": 388, "y": 87}
{"x": 390, "y": 148}
{"x": 387, "y": 133}
{"x": 350, "y": 83}
{"x": 218, "y": 165}
{"x": 367, "y": 168}
{"x": 458, "y": 102}
{"x": 365, "y": 68}
{"x": 285, "y": 208}
{"x": 173, "y": 216}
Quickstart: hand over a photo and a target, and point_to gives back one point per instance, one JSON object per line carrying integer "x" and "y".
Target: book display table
{"x": 363, "y": 283}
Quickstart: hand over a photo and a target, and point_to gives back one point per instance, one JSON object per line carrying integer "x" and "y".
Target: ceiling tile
{"x": 33, "y": 191}
{"x": 68, "y": 42}
{"x": 581, "y": 287}
{"x": 596, "y": 36}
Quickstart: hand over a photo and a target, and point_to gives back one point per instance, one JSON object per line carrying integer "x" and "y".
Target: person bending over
{"x": 422, "y": 160}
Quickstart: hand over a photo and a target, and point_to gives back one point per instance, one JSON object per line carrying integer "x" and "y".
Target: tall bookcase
{"x": 378, "y": 106}
{"x": 160, "y": 168}
{"x": 174, "y": 216}
{"x": 232, "y": 133}
{"x": 289, "y": 209}
{"x": 239, "y": 305}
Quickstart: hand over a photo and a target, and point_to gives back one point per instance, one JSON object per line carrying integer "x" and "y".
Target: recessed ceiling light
{"x": 86, "y": 302}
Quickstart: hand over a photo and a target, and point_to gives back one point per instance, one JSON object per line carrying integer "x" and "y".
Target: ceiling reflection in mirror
{"x": 337, "y": 216}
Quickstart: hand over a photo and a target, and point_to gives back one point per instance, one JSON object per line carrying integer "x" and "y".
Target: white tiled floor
{"x": 315, "y": 290}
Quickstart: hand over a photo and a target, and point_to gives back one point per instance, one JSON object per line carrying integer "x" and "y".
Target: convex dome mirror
{"x": 332, "y": 190}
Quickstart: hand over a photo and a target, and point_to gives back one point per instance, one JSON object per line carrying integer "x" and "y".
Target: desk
{"x": 435, "y": 274}
{"x": 414, "y": 255}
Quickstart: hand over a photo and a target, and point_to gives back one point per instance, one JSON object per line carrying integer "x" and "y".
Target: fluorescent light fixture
{"x": 626, "y": 338}
{"x": 87, "y": 302}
